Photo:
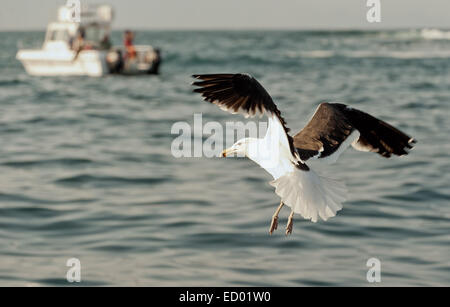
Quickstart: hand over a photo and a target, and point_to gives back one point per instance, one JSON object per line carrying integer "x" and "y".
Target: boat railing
{"x": 144, "y": 53}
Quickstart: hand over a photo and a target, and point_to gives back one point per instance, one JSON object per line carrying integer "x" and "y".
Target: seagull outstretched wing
{"x": 240, "y": 93}
{"x": 336, "y": 126}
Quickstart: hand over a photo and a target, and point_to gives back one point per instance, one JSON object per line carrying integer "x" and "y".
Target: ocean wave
{"x": 410, "y": 54}
{"x": 109, "y": 180}
{"x": 407, "y": 54}
{"x": 47, "y": 162}
{"x": 311, "y": 54}
{"x": 22, "y": 198}
{"x": 413, "y": 34}
{"x": 435, "y": 34}
{"x": 9, "y": 82}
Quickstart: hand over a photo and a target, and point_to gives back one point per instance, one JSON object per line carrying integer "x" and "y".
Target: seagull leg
{"x": 274, "y": 223}
{"x": 290, "y": 223}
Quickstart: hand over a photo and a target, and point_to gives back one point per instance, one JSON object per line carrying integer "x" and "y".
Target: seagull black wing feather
{"x": 377, "y": 135}
{"x": 235, "y": 93}
{"x": 333, "y": 123}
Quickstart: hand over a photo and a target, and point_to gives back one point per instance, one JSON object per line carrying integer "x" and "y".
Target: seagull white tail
{"x": 310, "y": 195}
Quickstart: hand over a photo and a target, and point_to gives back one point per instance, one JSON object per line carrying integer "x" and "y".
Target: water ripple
{"x": 79, "y": 180}
{"x": 87, "y": 171}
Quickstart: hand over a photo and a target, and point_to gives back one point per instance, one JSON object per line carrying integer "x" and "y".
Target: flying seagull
{"x": 332, "y": 128}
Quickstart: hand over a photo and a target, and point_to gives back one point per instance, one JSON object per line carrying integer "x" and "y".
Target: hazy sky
{"x": 238, "y": 14}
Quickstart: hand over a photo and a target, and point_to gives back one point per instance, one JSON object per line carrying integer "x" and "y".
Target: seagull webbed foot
{"x": 290, "y": 223}
{"x": 274, "y": 223}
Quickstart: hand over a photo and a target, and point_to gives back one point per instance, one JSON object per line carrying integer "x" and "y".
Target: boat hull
{"x": 41, "y": 63}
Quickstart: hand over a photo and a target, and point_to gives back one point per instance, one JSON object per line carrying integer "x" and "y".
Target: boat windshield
{"x": 59, "y": 35}
{"x": 95, "y": 34}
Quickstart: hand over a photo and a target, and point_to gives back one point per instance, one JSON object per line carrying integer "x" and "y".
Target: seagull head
{"x": 240, "y": 148}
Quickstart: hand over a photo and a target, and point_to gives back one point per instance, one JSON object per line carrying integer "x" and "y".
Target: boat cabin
{"x": 95, "y": 23}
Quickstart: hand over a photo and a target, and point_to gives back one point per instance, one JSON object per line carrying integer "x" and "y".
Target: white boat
{"x": 58, "y": 57}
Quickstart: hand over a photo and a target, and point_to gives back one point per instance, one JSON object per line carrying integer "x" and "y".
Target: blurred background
{"x": 87, "y": 172}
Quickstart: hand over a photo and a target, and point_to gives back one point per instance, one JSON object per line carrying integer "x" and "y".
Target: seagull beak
{"x": 227, "y": 152}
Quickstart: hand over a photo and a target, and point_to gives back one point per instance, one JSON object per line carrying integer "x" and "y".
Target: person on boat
{"x": 105, "y": 43}
{"x": 155, "y": 61}
{"x": 114, "y": 60}
{"x": 130, "y": 50}
{"x": 79, "y": 44}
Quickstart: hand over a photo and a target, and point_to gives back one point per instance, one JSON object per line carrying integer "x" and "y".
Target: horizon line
{"x": 329, "y": 29}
